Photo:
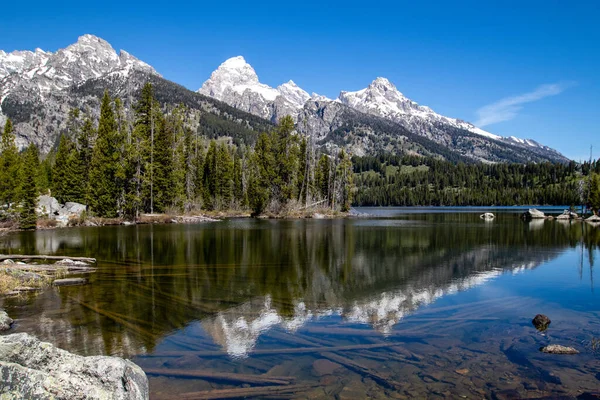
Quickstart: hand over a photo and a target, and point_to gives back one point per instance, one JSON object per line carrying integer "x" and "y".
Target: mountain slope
{"x": 38, "y": 88}
{"x": 236, "y": 83}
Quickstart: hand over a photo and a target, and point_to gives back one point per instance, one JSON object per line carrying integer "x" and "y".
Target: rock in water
{"x": 533, "y": 213}
{"x": 69, "y": 282}
{"x": 541, "y": 322}
{"x": 5, "y": 321}
{"x": 30, "y": 369}
{"x": 558, "y": 349}
{"x": 487, "y": 216}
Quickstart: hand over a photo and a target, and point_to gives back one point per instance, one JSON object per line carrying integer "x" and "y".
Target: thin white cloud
{"x": 508, "y": 108}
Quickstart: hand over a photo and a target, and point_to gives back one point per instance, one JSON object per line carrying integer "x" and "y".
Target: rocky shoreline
{"x": 31, "y": 369}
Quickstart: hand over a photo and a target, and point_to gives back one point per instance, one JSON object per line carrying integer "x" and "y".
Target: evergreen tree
{"x": 61, "y": 172}
{"x": 262, "y": 175}
{"x": 238, "y": 176}
{"x": 344, "y": 181}
{"x": 594, "y": 198}
{"x": 28, "y": 217}
{"x": 209, "y": 172}
{"x": 104, "y": 178}
{"x": 198, "y": 160}
{"x": 322, "y": 176}
{"x": 163, "y": 165}
{"x": 224, "y": 177}
{"x": 10, "y": 164}
{"x": 286, "y": 160}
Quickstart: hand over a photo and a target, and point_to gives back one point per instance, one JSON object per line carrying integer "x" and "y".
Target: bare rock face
{"x": 30, "y": 369}
{"x": 541, "y": 322}
{"x": 5, "y": 321}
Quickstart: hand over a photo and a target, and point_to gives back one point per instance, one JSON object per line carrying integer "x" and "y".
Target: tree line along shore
{"x": 150, "y": 161}
{"x": 133, "y": 164}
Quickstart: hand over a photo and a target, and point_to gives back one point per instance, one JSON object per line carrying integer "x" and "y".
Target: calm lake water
{"x": 416, "y": 303}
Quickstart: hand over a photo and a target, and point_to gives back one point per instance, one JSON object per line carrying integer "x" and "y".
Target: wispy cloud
{"x": 508, "y": 108}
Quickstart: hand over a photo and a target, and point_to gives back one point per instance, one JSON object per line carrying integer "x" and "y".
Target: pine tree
{"x": 104, "y": 178}
{"x": 209, "y": 172}
{"x": 238, "y": 188}
{"x": 322, "y": 177}
{"x": 286, "y": 160}
{"x": 10, "y": 165}
{"x": 224, "y": 177}
{"x": 61, "y": 173}
{"x": 262, "y": 174}
{"x": 31, "y": 164}
{"x": 594, "y": 198}
{"x": 163, "y": 165}
{"x": 345, "y": 181}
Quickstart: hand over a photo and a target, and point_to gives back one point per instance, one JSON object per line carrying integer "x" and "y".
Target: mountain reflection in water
{"x": 226, "y": 285}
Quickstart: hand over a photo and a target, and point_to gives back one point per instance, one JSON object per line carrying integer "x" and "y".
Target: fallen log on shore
{"x": 43, "y": 257}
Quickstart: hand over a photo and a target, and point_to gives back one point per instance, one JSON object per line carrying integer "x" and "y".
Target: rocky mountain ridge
{"x": 38, "y": 88}
{"x": 236, "y": 83}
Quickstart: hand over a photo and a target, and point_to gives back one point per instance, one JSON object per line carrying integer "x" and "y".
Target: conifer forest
{"x": 152, "y": 160}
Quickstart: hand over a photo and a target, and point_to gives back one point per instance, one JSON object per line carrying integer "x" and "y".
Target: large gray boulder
{"x": 73, "y": 209}
{"x": 533, "y": 213}
{"x": 5, "y": 321}
{"x": 47, "y": 205}
{"x": 567, "y": 215}
{"x": 30, "y": 369}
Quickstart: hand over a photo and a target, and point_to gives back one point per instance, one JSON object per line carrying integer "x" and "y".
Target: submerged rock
{"x": 69, "y": 282}
{"x": 558, "y": 349}
{"x": 5, "y": 321}
{"x": 323, "y": 366}
{"x": 541, "y": 322}
{"x": 30, "y": 369}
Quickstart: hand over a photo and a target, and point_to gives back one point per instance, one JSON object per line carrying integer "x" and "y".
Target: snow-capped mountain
{"x": 236, "y": 83}
{"x": 32, "y": 80}
{"x": 381, "y": 98}
{"x": 38, "y": 88}
{"x": 90, "y": 57}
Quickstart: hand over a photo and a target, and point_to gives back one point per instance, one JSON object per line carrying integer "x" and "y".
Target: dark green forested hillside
{"x": 152, "y": 157}
{"x": 389, "y": 180}
{"x": 159, "y": 159}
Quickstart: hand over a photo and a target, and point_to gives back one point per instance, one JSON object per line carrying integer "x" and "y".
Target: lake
{"x": 399, "y": 302}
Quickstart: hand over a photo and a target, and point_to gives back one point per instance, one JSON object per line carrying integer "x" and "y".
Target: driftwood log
{"x": 43, "y": 257}
{"x": 222, "y": 376}
{"x": 245, "y": 392}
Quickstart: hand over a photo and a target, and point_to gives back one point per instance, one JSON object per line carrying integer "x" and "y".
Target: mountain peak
{"x": 383, "y": 85}
{"x": 235, "y": 70}
{"x": 235, "y": 62}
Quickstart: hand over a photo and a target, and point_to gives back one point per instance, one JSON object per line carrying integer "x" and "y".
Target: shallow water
{"x": 423, "y": 303}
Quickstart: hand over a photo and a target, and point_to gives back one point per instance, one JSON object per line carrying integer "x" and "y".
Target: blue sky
{"x": 525, "y": 68}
